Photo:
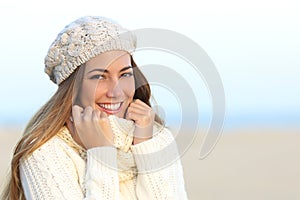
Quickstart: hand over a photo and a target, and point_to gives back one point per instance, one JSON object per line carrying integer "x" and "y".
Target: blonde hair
{"x": 47, "y": 122}
{"x": 42, "y": 127}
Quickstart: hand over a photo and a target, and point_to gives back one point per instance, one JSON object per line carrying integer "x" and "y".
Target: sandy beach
{"x": 256, "y": 164}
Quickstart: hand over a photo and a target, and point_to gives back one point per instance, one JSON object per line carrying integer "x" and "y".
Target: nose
{"x": 114, "y": 89}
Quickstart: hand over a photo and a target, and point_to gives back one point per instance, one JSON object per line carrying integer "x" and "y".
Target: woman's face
{"x": 108, "y": 83}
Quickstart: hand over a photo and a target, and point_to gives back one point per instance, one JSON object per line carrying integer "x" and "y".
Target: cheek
{"x": 87, "y": 93}
{"x": 128, "y": 87}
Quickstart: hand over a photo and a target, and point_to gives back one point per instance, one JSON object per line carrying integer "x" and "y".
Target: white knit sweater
{"x": 61, "y": 169}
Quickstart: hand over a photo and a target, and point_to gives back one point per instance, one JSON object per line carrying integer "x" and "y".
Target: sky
{"x": 254, "y": 46}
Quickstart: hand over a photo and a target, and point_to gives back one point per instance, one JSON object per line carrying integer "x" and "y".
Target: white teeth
{"x": 112, "y": 107}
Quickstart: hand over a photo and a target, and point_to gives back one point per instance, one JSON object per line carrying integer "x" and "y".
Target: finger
{"x": 96, "y": 115}
{"x": 138, "y": 110}
{"x": 76, "y": 112}
{"x": 134, "y": 116}
{"x": 140, "y": 106}
{"x": 140, "y": 102}
{"x": 144, "y": 107}
{"x": 87, "y": 113}
{"x": 96, "y": 119}
{"x": 103, "y": 115}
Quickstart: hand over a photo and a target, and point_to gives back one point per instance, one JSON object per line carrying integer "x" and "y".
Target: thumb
{"x": 103, "y": 115}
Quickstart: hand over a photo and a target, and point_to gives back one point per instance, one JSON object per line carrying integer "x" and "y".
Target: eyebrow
{"x": 106, "y": 71}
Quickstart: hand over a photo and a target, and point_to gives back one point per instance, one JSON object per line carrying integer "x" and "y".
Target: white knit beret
{"x": 82, "y": 40}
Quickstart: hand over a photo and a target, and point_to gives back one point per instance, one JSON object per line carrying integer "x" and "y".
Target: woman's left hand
{"x": 143, "y": 116}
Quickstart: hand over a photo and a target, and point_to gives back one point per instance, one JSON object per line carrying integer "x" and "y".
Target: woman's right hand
{"x": 92, "y": 127}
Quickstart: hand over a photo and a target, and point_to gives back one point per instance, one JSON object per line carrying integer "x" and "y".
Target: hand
{"x": 92, "y": 127}
{"x": 143, "y": 117}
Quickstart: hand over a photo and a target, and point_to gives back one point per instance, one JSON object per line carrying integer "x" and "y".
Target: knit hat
{"x": 82, "y": 40}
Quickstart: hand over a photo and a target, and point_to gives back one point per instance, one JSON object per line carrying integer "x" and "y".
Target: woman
{"x": 97, "y": 137}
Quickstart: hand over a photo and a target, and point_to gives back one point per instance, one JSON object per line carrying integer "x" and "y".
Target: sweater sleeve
{"x": 49, "y": 173}
{"x": 160, "y": 170}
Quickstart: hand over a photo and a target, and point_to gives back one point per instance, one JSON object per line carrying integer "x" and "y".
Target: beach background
{"x": 255, "y": 48}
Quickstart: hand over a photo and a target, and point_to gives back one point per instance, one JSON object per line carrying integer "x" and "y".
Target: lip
{"x": 109, "y": 110}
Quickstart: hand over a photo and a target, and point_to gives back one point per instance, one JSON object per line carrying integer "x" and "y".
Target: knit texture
{"x": 82, "y": 40}
{"x": 61, "y": 169}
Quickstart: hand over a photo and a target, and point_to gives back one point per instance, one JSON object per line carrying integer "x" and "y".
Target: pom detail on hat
{"x": 82, "y": 40}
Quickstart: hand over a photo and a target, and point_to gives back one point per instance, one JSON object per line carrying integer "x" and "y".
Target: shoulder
{"x": 54, "y": 147}
{"x": 53, "y": 157}
{"x": 50, "y": 167}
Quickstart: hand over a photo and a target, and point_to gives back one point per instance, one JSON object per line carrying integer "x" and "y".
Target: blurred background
{"x": 255, "y": 47}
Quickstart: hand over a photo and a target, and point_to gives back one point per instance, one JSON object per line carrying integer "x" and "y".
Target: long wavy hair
{"x": 51, "y": 117}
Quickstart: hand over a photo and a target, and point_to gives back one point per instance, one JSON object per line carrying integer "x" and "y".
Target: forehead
{"x": 109, "y": 60}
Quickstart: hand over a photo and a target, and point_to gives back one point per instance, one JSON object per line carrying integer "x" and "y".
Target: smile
{"x": 110, "y": 108}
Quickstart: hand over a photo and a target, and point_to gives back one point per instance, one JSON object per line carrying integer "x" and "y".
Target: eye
{"x": 98, "y": 76}
{"x": 128, "y": 74}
